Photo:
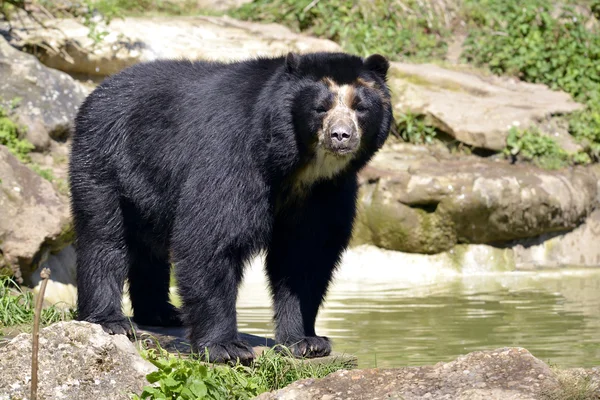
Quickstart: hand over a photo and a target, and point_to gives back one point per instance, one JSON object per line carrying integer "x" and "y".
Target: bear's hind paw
{"x": 310, "y": 347}
{"x": 228, "y": 352}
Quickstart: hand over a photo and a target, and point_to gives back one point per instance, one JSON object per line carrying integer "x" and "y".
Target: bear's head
{"x": 341, "y": 110}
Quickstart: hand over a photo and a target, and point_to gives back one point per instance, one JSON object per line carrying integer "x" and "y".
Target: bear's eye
{"x": 361, "y": 108}
{"x": 321, "y": 110}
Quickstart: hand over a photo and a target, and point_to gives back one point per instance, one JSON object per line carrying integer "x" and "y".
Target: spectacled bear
{"x": 205, "y": 164}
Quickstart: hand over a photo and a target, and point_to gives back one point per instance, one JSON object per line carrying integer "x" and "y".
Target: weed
{"x": 9, "y": 137}
{"x": 45, "y": 173}
{"x": 537, "y": 43}
{"x": 17, "y": 306}
{"x": 543, "y": 150}
{"x": 572, "y": 386}
{"x": 414, "y": 129}
{"x": 185, "y": 379}
{"x": 398, "y": 29}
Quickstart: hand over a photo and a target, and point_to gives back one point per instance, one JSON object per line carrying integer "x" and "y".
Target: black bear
{"x": 205, "y": 164}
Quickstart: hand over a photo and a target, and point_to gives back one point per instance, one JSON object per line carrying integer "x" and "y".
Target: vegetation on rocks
{"x": 20, "y": 147}
{"x": 17, "y": 307}
{"x": 188, "y": 379}
{"x": 542, "y": 150}
{"x": 537, "y": 41}
{"x": 9, "y": 137}
{"x": 413, "y": 29}
{"x": 541, "y": 43}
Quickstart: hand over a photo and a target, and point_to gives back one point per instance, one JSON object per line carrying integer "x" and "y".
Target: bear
{"x": 202, "y": 165}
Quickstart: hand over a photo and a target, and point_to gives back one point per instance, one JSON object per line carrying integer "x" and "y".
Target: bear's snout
{"x": 342, "y": 137}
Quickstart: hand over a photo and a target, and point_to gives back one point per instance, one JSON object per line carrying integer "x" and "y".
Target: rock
{"x": 414, "y": 200}
{"x": 77, "y": 360}
{"x": 576, "y": 248}
{"x": 474, "y": 109}
{"x": 174, "y": 340}
{"x": 461, "y": 260}
{"x": 44, "y": 100}
{"x": 503, "y": 374}
{"x": 215, "y": 5}
{"x": 34, "y": 218}
{"x": 132, "y": 40}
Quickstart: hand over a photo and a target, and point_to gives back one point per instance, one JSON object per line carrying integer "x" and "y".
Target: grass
{"x": 17, "y": 307}
{"x": 541, "y": 42}
{"x": 187, "y": 379}
{"x": 538, "y": 41}
{"x": 399, "y": 29}
{"x": 572, "y": 386}
{"x": 544, "y": 151}
{"x": 9, "y": 137}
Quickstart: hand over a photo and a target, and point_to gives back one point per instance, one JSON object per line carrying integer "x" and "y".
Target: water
{"x": 418, "y": 317}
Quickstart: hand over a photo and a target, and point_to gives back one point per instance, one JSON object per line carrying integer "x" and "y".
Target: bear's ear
{"x": 378, "y": 64}
{"x": 292, "y": 61}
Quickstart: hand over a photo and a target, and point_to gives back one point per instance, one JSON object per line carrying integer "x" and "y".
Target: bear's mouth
{"x": 342, "y": 152}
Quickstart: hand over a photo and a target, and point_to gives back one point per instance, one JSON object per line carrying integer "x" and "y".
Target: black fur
{"x": 194, "y": 162}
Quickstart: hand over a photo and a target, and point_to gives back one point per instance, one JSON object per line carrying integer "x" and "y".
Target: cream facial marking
{"x": 337, "y": 140}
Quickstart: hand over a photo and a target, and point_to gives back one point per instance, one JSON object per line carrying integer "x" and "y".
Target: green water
{"x": 399, "y": 322}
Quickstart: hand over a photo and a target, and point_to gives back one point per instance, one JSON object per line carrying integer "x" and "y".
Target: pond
{"x": 392, "y": 316}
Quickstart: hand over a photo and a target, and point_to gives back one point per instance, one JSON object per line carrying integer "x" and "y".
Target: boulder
{"x": 34, "y": 218}
{"x": 577, "y": 248}
{"x": 132, "y": 40}
{"x": 77, "y": 360}
{"x": 475, "y": 109}
{"x": 43, "y": 100}
{"x": 414, "y": 200}
{"x": 503, "y": 374}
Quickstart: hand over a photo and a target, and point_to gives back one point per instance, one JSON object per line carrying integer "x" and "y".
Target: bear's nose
{"x": 340, "y": 134}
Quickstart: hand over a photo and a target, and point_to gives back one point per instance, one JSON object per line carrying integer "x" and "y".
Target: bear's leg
{"x": 102, "y": 258}
{"x": 149, "y": 278}
{"x": 215, "y": 231}
{"x": 208, "y": 288}
{"x": 306, "y": 245}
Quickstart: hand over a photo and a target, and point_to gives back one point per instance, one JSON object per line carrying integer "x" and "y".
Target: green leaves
{"x": 9, "y": 136}
{"x": 17, "y": 306}
{"x": 189, "y": 379}
{"x": 414, "y": 129}
{"x": 399, "y": 29}
{"x": 543, "y": 150}
{"x": 530, "y": 40}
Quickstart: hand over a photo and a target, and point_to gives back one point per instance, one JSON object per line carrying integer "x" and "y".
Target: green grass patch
{"x": 188, "y": 379}
{"x": 572, "y": 385}
{"x": 9, "y": 137}
{"x": 413, "y": 128}
{"x": 20, "y": 147}
{"x": 541, "y": 42}
{"x": 17, "y": 307}
{"x": 398, "y": 29}
{"x": 542, "y": 150}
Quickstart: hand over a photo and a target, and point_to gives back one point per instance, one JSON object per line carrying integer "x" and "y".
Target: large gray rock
{"x": 579, "y": 248}
{"x": 46, "y": 99}
{"x": 503, "y": 374}
{"x": 415, "y": 200}
{"x": 474, "y": 109}
{"x": 77, "y": 360}
{"x": 34, "y": 218}
{"x": 132, "y": 40}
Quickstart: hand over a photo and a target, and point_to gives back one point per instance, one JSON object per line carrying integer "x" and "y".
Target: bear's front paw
{"x": 310, "y": 347}
{"x": 120, "y": 327}
{"x": 228, "y": 352}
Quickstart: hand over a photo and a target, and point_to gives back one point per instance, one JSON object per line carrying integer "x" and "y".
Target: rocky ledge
{"x": 503, "y": 374}
{"x": 78, "y": 360}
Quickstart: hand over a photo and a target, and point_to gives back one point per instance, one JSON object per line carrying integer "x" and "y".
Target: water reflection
{"x": 554, "y": 314}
